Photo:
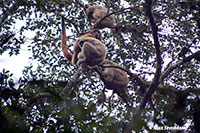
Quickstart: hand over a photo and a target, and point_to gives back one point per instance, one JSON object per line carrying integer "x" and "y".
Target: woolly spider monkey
{"x": 114, "y": 79}
{"x": 94, "y": 15}
{"x": 88, "y": 48}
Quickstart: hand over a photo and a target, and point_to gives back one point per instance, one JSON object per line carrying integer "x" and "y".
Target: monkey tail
{"x": 64, "y": 46}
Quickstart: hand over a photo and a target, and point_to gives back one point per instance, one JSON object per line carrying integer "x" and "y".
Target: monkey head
{"x": 95, "y": 13}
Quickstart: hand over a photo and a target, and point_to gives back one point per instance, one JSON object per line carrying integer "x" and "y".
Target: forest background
{"x": 157, "y": 41}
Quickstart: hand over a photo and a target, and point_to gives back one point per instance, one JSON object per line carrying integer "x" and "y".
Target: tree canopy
{"x": 157, "y": 42}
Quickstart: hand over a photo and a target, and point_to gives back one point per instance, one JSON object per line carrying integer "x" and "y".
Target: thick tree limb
{"x": 172, "y": 67}
{"x": 158, "y": 78}
{"x": 154, "y": 85}
{"x": 67, "y": 91}
{"x": 79, "y": 3}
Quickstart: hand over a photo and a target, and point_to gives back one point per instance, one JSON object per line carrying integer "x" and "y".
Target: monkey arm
{"x": 77, "y": 50}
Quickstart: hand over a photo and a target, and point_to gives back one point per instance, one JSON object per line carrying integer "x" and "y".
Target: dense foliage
{"x": 158, "y": 41}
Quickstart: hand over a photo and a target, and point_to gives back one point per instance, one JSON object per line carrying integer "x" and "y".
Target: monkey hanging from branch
{"x": 97, "y": 15}
{"x": 88, "y": 48}
{"x": 114, "y": 79}
{"x": 90, "y": 51}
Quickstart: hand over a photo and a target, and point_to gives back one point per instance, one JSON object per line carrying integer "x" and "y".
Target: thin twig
{"x": 111, "y": 66}
{"x": 172, "y": 67}
{"x": 74, "y": 24}
{"x": 116, "y": 12}
{"x": 79, "y": 3}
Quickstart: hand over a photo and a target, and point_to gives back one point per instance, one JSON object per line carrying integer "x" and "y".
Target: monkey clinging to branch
{"x": 89, "y": 51}
{"x": 96, "y": 13}
{"x": 88, "y": 48}
{"x": 115, "y": 79}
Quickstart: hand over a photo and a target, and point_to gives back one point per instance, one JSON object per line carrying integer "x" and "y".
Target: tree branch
{"x": 154, "y": 85}
{"x": 79, "y": 3}
{"x": 11, "y": 10}
{"x": 2, "y": 42}
{"x": 108, "y": 14}
{"x": 74, "y": 24}
{"x": 4, "y": 120}
{"x": 67, "y": 91}
{"x": 172, "y": 67}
